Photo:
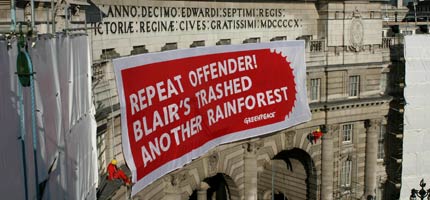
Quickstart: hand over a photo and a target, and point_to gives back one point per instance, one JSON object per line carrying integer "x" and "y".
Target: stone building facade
{"x": 347, "y": 68}
{"x": 348, "y": 81}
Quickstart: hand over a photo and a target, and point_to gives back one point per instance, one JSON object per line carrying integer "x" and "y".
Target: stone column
{"x": 327, "y": 165}
{"x": 399, "y": 3}
{"x": 250, "y": 170}
{"x": 372, "y": 130}
{"x": 202, "y": 192}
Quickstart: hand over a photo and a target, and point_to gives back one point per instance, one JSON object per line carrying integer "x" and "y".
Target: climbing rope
{"x": 112, "y": 117}
{"x": 273, "y": 178}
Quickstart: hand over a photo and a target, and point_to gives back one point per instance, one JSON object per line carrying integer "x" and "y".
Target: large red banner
{"x": 177, "y": 105}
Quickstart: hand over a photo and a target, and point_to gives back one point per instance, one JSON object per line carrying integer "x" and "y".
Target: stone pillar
{"x": 399, "y": 3}
{"x": 327, "y": 165}
{"x": 250, "y": 171}
{"x": 202, "y": 192}
{"x": 372, "y": 130}
{"x": 109, "y": 145}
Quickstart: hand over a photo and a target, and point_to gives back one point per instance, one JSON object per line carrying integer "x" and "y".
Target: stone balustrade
{"x": 316, "y": 45}
{"x": 387, "y": 42}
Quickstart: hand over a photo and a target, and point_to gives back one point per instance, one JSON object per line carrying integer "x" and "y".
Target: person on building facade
{"x": 115, "y": 173}
{"x": 314, "y": 136}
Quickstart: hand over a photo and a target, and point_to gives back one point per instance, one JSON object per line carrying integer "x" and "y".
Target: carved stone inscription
{"x": 130, "y": 19}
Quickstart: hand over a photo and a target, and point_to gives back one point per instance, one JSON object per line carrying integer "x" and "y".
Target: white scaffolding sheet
{"x": 416, "y": 139}
{"x": 66, "y": 128}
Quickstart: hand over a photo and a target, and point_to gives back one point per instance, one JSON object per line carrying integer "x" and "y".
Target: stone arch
{"x": 267, "y": 195}
{"x": 280, "y": 196}
{"x": 292, "y": 173}
{"x": 221, "y": 187}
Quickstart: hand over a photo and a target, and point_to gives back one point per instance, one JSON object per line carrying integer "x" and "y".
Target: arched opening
{"x": 291, "y": 174}
{"x": 218, "y": 187}
{"x": 221, "y": 187}
{"x": 280, "y": 196}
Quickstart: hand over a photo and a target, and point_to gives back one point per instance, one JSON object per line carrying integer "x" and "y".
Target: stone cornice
{"x": 354, "y": 65}
{"x": 342, "y": 104}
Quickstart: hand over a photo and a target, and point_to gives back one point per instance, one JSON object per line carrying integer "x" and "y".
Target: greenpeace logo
{"x": 259, "y": 117}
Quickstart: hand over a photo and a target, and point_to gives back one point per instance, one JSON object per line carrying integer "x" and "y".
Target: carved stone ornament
{"x": 289, "y": 137}
{"x": 173, "y": 181}
{"x": 356, "y": 31}
{"x": 252, "y": 147}
{"x": 333, "y": 129}
{"x": 213, "y": 163}
{"x": 373, "y": 124}
{"x": 203, "y": 186}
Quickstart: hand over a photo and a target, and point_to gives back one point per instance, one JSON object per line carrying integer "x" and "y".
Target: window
{"x": 98, "y": 72}
{"x": 407, "y": 32}
{"x": 383, "y": 84}
{"x": 139, "y": 50}
{"x": 346, "y": 173}
{"x": 200, "y": 43}
{"x": 381, "y": 152}
{"x": 169, "y": 46}
{"x": 278, "y": 38}
{"x": 315, "y": 89}
{"x": 252, "y": 40}
{"x": 347, "y": 132}
{"x": 224, "y": 42}
{"x": 109, "y": 54}
{"x": 354, "y": 86}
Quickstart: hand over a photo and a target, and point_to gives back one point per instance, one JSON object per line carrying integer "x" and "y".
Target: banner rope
{"x": 112, "y": 118}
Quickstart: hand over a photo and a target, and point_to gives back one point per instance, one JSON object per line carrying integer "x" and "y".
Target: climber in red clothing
{"x": 317, "y": 135}
{"x": 115, "y": 173}
{"x": 314, "y": 136}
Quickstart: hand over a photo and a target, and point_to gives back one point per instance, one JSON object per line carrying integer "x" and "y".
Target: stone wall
{"x": 207, "y": 22}
{"x": 332, "y": 56}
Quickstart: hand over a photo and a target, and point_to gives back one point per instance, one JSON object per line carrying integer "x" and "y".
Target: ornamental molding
{"x": 213, "y": 163}
{"x": 173, "y": 182}
{"x": 251, "y": 148}
{"x": 356, "y": 32}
